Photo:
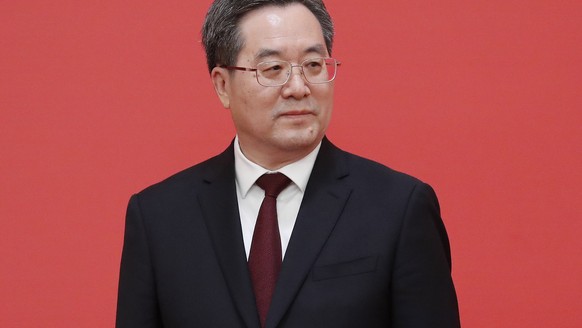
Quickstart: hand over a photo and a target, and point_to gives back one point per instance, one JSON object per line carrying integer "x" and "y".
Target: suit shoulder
{"x": 373, "y": 172}
{"x": 370, "y": 177}
{"x": 189, "y": 178}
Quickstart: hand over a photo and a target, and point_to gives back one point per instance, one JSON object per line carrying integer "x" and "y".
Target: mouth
{"x": 297, "y": 113}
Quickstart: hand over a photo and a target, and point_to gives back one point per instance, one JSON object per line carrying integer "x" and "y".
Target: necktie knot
{"x": 273, "y": 183}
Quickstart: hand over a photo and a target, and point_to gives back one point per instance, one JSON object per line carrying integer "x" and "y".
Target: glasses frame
{"x": 300, "y": 66}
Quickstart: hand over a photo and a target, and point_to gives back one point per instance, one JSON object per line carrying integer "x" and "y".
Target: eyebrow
{"x": 265, "y": 52}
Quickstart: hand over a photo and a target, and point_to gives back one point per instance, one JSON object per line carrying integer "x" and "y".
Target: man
{"x": 360, "y": 245}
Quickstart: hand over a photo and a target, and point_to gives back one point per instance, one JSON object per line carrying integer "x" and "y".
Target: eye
{"x": 313, "y": 66}
{"x": 270, "y": 67}
{"x": 316, "y": 63}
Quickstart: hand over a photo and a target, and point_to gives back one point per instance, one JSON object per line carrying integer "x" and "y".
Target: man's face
{"x": 277, "y": 125}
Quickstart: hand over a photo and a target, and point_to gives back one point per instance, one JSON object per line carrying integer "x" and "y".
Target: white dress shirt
{"x": 250, "y": 196}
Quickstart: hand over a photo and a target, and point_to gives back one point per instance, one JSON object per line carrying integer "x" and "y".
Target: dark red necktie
{"x": 265, "y": 257}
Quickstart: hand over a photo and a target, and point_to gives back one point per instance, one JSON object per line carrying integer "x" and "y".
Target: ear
{"x": 221, "y": 81}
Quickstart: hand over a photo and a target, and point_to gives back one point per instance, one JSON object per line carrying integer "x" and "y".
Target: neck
{"x": 272, "y": 158}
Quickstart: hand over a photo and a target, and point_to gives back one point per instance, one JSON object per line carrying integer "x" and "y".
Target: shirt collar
{"x": 248, "y": 172}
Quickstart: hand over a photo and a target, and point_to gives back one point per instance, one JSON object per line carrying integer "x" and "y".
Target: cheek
{"x": 253, "y": 111}
{"x": 262, "y": 102}
{"x": 325, "y": 100}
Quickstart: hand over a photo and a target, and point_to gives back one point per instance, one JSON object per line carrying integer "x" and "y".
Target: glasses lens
{"x": 315, "y": 70}
{"x": 319, "y": 70}
{"x": 273, "y": 73}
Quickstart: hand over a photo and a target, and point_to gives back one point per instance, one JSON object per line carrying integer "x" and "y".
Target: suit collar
{"x": 220, "y": 210}
{"x": 325, "y": 196}
{"x": 324, "y": 200}
{"x": 247, "y": 172}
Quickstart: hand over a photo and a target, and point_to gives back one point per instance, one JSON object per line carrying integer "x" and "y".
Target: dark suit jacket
{"x": 368, "y": 249}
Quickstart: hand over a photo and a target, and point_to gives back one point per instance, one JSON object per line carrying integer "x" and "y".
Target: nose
{"x": 296, "y": 87}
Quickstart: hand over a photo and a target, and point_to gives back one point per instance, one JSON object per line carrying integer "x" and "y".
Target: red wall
{"x": 481, "y": 99}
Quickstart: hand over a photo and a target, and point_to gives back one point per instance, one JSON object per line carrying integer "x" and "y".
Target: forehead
{"x": 280, "y": 31}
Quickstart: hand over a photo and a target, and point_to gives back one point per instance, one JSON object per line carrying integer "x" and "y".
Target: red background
{"x": 99, "y": 99}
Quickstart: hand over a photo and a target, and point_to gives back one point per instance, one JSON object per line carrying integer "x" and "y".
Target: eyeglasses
{"x": 277, "y": 72}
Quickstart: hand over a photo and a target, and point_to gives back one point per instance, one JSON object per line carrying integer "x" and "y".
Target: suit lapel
{"x": 220, "y": 208}
{"x": 324, "y": 200}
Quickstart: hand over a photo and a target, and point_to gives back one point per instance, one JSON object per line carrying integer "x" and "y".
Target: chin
{"x": 300, "y": 140}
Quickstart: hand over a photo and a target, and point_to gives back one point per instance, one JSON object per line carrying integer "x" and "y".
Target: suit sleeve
{"x": 137, "y": 302}
{"x": 423, "y": 294}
